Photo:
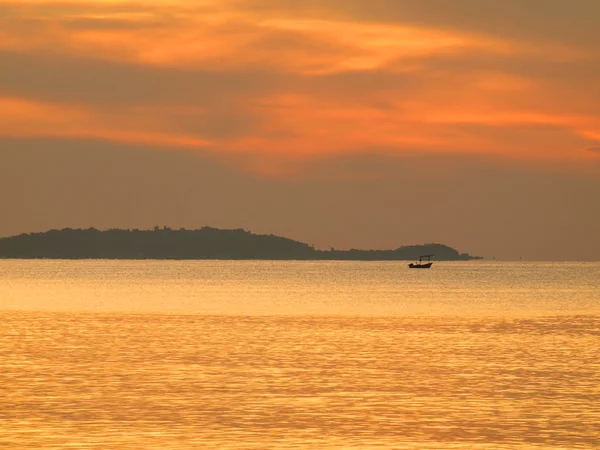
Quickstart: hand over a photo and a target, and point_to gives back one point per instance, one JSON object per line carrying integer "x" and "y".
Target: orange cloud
{"x": 295, "y": 82}
{"x": 20, "y": 118}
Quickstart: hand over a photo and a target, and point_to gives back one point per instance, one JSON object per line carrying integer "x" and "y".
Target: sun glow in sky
{"x": 272, "y": 88}
{"x": 300, "y": 78}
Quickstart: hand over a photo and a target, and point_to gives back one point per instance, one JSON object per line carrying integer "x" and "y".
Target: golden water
{"x": 277, "y": 355}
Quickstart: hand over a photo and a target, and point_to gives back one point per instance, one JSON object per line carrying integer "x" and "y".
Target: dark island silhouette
{"x": 205, "y": 243}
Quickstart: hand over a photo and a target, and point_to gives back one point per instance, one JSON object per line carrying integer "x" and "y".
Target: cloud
{"x": 271, "y": 83}
{"x": 87, "y": 24}
{"x": 547, "y": 21}
{"x": 594, "y": 149}
{"x": 90, "y": 80}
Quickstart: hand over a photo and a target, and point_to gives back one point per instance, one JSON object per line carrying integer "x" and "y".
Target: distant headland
{"x": 205, "y": 243}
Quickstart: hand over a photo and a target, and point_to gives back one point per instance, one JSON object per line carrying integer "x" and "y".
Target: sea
{"x": 299, "y": 355}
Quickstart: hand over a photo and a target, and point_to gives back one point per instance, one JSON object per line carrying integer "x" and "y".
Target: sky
{"x": 339, "y": 123}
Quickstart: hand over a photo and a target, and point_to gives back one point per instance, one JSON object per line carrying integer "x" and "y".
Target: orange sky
{"x": 328, "y": 77}
{"x": 273, "y": 88}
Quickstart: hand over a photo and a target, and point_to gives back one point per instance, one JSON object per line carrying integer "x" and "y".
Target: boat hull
{"x": 420, "y": 266}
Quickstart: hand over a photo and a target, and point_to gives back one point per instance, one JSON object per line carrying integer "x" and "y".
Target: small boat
{"x": 424, "y": 262}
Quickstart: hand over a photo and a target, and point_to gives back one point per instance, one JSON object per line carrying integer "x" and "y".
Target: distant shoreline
{"x": 203, "y": 244}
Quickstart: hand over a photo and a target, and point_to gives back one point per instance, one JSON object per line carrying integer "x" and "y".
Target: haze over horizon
{"x": 339, "y": 123}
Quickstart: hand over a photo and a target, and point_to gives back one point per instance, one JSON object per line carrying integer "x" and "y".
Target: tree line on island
{"x": 205, "y": 243}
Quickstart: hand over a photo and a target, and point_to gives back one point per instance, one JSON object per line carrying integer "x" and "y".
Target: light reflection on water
{"x": 299, "y": 355}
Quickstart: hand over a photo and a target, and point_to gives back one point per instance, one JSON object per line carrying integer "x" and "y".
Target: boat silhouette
{"x": 423, "y": 263}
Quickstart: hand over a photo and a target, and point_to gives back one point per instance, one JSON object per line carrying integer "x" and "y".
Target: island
{"x": 204, "y": 243}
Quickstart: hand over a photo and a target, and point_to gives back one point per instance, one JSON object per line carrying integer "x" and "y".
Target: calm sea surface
{"x": 282, "y": 355}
